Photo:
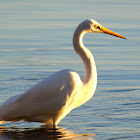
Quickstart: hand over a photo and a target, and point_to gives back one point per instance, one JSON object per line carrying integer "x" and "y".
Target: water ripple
{"x": 40, "y": 133}
{"x": 124, "y": 90}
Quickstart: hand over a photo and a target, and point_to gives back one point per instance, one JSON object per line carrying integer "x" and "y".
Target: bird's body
{"x": 33, "y": 105}
{"x": 52, "y": 99}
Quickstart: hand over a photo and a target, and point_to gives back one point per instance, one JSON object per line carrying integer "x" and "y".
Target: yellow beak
{"x": 107, "y": 31}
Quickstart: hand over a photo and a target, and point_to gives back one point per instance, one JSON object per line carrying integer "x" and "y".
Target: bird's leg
{"x": 54, "y": 125}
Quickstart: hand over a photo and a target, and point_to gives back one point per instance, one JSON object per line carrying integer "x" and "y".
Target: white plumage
{"x": 52, "y": 99}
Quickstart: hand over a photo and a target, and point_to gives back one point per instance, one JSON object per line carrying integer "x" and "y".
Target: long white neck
{"x": 90, "y": 77}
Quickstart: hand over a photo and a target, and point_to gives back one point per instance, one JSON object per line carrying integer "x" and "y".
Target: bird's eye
{"x": 97, "y": 26}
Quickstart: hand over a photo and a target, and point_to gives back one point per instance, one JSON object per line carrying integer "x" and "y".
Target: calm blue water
{"x": 36, "y": 41}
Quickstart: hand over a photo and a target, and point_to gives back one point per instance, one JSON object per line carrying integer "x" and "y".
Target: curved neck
{"x": 86, "y": 56}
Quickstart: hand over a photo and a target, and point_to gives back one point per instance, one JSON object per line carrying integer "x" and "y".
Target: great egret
{"x": 50, "y": 100}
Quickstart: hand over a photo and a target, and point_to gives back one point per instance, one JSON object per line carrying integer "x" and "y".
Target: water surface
{"x": 36, "y": 41}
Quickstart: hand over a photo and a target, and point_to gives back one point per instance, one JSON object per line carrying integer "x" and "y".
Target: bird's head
{"x": 92, "y": 26}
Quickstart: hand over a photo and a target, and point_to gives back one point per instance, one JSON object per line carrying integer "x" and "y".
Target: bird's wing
{"x": 47, "y": 97}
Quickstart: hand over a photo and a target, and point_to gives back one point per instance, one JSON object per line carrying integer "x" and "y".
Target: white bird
{"x": 50, "y": 100}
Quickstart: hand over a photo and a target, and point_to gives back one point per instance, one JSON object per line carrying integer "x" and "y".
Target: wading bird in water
{"x": 50, "y": 100}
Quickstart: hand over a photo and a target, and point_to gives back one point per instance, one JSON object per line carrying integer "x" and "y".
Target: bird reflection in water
{"x": 40, "y": 133}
